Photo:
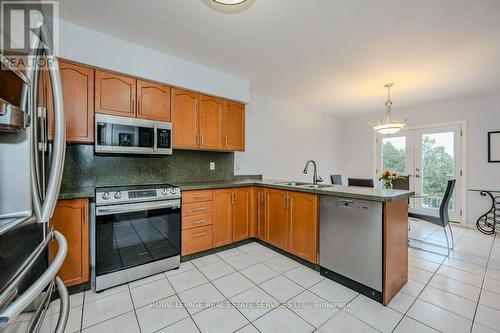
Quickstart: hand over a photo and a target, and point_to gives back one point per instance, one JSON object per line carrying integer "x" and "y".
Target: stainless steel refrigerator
{"x": 30, "y": 176}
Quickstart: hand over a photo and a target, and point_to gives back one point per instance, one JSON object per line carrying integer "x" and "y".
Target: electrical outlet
{"x": 238, "y": 166}
{"x": 212, "y": 165}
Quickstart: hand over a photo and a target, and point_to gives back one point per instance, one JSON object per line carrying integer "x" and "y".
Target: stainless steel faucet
{"x": 316, "y": 179}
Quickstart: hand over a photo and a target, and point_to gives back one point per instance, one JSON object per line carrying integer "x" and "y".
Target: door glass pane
{"x": 437, "y": 167}
{"x": 394, "y": 154}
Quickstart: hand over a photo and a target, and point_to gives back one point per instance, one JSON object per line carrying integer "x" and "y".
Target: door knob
{"x": 417, "y": 176}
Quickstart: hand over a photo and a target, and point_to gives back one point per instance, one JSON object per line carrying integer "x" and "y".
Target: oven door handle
{"x": 135, "y": 207}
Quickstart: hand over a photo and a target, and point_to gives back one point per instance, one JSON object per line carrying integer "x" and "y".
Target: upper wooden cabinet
{"x": 153, "y": 101}
{"x": 71, "y": 218}
{"x": 303, "y": 225}
{"x": 78, "y": 101}
{"x": 211, "y": 113}
{"x": 234, "y": 126}
{"x": 185, "y": 119}
{"x": 115, "y": 94}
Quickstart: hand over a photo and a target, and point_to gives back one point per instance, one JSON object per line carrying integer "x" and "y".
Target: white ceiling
{"x": 330, "y": 55}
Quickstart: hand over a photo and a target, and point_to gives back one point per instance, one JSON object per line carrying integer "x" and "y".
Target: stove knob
{"x": 105, "y": 195}
{"x": 118, "y": 195}
{"x": 173, "y": 191}
{"x": 164, "y": 191}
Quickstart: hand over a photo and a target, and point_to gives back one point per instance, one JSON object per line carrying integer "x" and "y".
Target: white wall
{"x": 482, "y": 114}
{"x": 94, "y": 48}
{"x": 281, "y": 137}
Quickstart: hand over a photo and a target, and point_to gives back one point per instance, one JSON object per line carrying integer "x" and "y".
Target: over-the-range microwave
{"x": 124, "y": 135}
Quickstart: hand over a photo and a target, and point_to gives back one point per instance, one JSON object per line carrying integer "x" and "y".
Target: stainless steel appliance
{"x": 123, "y": 135}
{"x": 137, "y": 233}
{"x": 30, "y": 179}
{"x": 351, "y": 244}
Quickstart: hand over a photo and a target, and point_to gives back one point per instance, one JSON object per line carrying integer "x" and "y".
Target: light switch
{"x": 212, "y": 165}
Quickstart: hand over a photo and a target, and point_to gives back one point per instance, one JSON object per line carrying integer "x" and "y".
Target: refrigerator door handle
{"x": 15, "y": 308}
{"x": 45, "y": 201}
{"x": 63, "y": 307}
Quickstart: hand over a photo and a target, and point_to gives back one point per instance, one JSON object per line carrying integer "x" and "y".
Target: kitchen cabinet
{"x": 303, "y": 225}
{"x": 185, "y": 119}
{"x": 223, "y": 217}
{"x": 210, "y": 114}
{"x": 241, "y": 213}
{"x": 115, "y": 94}
{"x": 277, "y": 218}
{"x": 231, "y": 219}
{"x": 234, "y": 126}
{"x": 153, "y": 101}
{"x": 260, "y": 214}
{"x": 77, "y": 84}
{"x": 197, "y": 229}
{"x": 71, "y": 218}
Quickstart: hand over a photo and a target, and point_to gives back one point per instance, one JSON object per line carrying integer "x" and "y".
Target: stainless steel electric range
{"x": 137, "y": 233}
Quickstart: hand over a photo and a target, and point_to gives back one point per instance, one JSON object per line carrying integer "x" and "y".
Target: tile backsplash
{"x": 84, "y": 168}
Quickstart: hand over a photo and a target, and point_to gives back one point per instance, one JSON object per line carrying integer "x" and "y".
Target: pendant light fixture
{"x": 388, "y": 125}
{"x": 229, "y": 2}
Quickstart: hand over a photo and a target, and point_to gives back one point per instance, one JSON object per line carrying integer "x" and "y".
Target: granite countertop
{"x": 352, "y": 192}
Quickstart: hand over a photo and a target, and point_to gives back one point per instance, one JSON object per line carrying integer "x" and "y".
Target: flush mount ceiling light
{"x": 387, "y": 125}
{"x": 229, "y": 6}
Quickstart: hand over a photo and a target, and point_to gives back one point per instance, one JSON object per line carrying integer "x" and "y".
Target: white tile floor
{"x": 252, "y": 289}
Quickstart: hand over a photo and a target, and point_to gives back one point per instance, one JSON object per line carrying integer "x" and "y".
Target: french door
{"x": 429, "y": 157}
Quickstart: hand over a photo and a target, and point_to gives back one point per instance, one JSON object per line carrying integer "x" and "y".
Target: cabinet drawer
{"x": 197, "y": 208}
{"x": 196, "y": 221}
{"x": 196, "y": 240}
{"x": 196, "y": 196}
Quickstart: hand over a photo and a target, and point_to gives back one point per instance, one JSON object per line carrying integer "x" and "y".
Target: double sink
{"x": 303, "y": 185}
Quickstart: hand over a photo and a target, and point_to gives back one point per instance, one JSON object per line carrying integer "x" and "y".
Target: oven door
{"x": 130, "y": 235}
{"x": 123, "y": 135}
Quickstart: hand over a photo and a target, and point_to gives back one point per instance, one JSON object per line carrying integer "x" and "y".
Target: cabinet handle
{"x": 284, "y": 201}
{"x": 199, "y": 222}
{"x": 198, "y": 209}
{"x": 201, "y": 138}
{"x": 139, "y": 105}
{"x": 225, "y": 141}
{"x": 133, "y": 105}
{"x": 200, "y": 234}
{"x": 263, "y": 197}
{"x": 199, "y": 196}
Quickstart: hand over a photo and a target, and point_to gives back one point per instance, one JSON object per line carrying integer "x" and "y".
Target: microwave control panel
{"x": 164, "y": 141}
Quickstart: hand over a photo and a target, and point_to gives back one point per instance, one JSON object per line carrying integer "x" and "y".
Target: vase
{"x": 388, "y": 184}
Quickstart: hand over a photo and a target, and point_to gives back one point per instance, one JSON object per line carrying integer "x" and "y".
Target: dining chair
{"x": 363, "y": 182}
{"x": 441, "y": 219}
{"x": 336, "y": 179}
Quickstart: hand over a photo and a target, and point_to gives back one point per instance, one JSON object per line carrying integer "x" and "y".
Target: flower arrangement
{"x": 387, "y": 177}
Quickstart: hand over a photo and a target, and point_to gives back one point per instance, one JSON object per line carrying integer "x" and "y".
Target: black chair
{"x": 336, "y": 179}
{"x": 363, "y": 182}
{"x": 443, "y": 218}
{"x": 402, "y": 183}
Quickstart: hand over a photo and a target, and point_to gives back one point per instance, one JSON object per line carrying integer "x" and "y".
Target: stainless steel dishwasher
{"x": 351, "y": 244}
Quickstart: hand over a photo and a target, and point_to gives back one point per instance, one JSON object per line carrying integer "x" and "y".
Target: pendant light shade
{"x": 229, "y": 6}
{"x": 388, "y": 125}
{"x": 229, "y": 2}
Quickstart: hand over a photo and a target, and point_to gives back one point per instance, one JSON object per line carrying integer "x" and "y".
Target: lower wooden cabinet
{"x": 277, "y": 218}
{"x": 303, "y": 225}
{"x": 260, "y": 214}
{"x": 223, "y": 217}
{"x": 196, "y": 240}
{"x": 71, "y": 218}
{"x": 231, "y": 217}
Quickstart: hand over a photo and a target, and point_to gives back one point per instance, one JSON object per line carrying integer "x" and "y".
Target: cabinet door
{"x": 78, "y": 100}
{"x": 71, "y": 219}
{"x": 222, "y": 217}
{"x": 185, "y": 119}
{"x": 241, "y": 214}
{"x": 303, "y": 225}
{"x": 153, "y": 101}
{"x": 115, "y": 94}
{"x": 260, "y": 213}
{"x": 277, "y": 217}
{"x": 234, "y": 126}
{"x": 211, "y": 110}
